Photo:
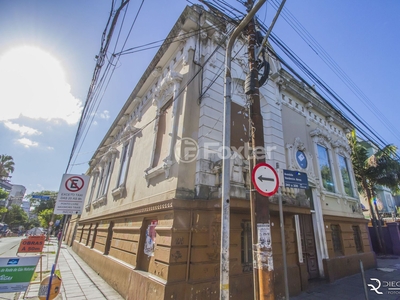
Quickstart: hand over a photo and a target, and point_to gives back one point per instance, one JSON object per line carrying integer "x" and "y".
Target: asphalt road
{"x": 9, "y": 245}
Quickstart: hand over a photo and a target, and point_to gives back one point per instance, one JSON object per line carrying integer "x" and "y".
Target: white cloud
{"x": 23, "y": 130}
{"x": 32, "y": 84}
{"x": 50, "y": 148}
{"x": 27, "y": 142}
{"x": 105, "y": 115}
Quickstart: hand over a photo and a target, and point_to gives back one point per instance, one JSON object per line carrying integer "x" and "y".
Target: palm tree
{"x": 6, "y": 166}
{"x": 379, "y": 169}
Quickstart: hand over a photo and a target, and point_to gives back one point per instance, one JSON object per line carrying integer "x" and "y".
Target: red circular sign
{"x": 74, "y": 184}
{"x": 265, "y": 179}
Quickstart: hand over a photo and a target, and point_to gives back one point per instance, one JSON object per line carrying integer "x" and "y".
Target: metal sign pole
{"x": 53, "y": 269}
{"x": 283, "y": 240}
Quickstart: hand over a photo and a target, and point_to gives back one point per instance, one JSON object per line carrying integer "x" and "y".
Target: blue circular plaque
{"x": 301, "y": 159}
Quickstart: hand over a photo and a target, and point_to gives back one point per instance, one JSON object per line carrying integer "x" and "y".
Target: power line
{"x": 327, "y": 59}
{"x": 179, "y": 92}
{"x": 375, "y": 138}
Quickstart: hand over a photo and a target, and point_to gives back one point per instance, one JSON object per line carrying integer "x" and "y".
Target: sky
{"x": 48, "y": 55}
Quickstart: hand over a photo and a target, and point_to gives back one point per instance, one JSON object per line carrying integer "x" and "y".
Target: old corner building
{"x": 151, "y": 226}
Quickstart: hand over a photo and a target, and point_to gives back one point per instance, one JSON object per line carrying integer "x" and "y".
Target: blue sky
{"x": 37, "y": 127}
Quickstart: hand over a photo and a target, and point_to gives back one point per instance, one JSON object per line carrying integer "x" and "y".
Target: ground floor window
{"x": 337, "y": 239}
{"x": 246, "y": 246}
{"x": 357, "y": 238}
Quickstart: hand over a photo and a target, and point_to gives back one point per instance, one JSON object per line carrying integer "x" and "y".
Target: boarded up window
{"x": 163, "y": 131}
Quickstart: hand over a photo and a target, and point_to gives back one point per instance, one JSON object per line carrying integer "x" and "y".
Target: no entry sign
{"x": 71, "y": 195}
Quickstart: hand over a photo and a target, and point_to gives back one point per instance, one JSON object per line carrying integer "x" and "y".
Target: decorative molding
{"x": 118, "y": 192}
{"x": 299, "y": 145}
{"x": 166, "y": 88}
{"x": 100, "y": 201}
{"x": 156, "y": 72}
{"x": 329, "y": 119}
{"x": 341, "y": 147}
{"x": 321, "y": 136}
{"x": 153, "y": 172}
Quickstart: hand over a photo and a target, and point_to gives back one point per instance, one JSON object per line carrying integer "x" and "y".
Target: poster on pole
{"x": 16, "y": 273}
{"x": 72, "y": 193}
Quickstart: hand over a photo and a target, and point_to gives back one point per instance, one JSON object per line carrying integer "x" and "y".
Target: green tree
{"x": 3, "y": 210}
{"x": 32, "y": 223}
{"x": 6, "y": 166}
{"x": 379, "y": 169}
{"x": 16, "y": 216}
{"x": 3, "y": 194}
{"x": 45, "y": 217}
{"x": 40, "y": 205}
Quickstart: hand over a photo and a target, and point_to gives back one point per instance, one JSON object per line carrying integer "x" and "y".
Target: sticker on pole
{"x": 265, "y": 179}
{"x": 71, "y": 195}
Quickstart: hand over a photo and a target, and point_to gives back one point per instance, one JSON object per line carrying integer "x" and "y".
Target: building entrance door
{"x": 308, "y": 246}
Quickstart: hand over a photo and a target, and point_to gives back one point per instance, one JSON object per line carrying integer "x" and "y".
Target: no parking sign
{"x": 71, "y": 195}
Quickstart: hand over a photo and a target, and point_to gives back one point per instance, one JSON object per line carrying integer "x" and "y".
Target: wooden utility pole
{"x": 263, "y": 269}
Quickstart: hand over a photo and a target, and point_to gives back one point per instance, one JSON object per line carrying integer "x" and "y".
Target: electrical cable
{"x": 376, "y": 135}
{"x": 106, "y": 73}
{"x": 178, "y": 94}
{"x": 318, "y": 49}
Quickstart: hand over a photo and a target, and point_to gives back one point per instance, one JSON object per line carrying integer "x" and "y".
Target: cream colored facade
{"x": 152, "y": 222}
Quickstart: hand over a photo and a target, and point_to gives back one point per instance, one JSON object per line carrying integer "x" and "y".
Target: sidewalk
{"x": 385, "y": 279}
{"x": 79, "y": 281}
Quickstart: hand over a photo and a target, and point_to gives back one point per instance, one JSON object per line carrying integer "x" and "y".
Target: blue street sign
{"x": 295, "y": 179}
{"x": 41, "y": 197}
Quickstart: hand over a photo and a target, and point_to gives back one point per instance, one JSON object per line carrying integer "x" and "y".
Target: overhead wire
{"x": 173, "y": 100}
{"x": 173, "y": 39}
{"x": 99, "y": 64}
{"x": 374, "y": 136}
{"x": 112, "y": 71}
{"x": 318, "y": 81}
{"x": 326, "y": 58}
{"x": 361, "y": 126}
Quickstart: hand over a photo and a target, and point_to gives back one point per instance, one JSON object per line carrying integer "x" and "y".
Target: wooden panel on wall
{"x": 171, "y": 273}
{"x": 171, "y": 255}
{"x": 85, "y": 234}
{"x": 203, "y": 271}
{"x": 177, "y": 239}
{"x": 79, "y": 233}
{"x": 125, "y": 242}
{"x": 128, "y": 257}
{"x": 101, "y": 238}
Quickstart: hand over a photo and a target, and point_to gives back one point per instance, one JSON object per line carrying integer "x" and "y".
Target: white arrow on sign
{"x": 265, "y": 179}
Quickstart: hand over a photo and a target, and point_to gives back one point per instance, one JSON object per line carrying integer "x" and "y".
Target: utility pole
{"x": 225, "y": 205}
{"x": 263, "y": 268}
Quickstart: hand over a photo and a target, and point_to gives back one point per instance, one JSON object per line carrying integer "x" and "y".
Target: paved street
{"x": 351, "y": 287}
{"x": 80, "y": 282}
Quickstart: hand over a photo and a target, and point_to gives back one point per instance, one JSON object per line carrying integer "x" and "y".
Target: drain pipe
{"x": 225, "y": 208}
